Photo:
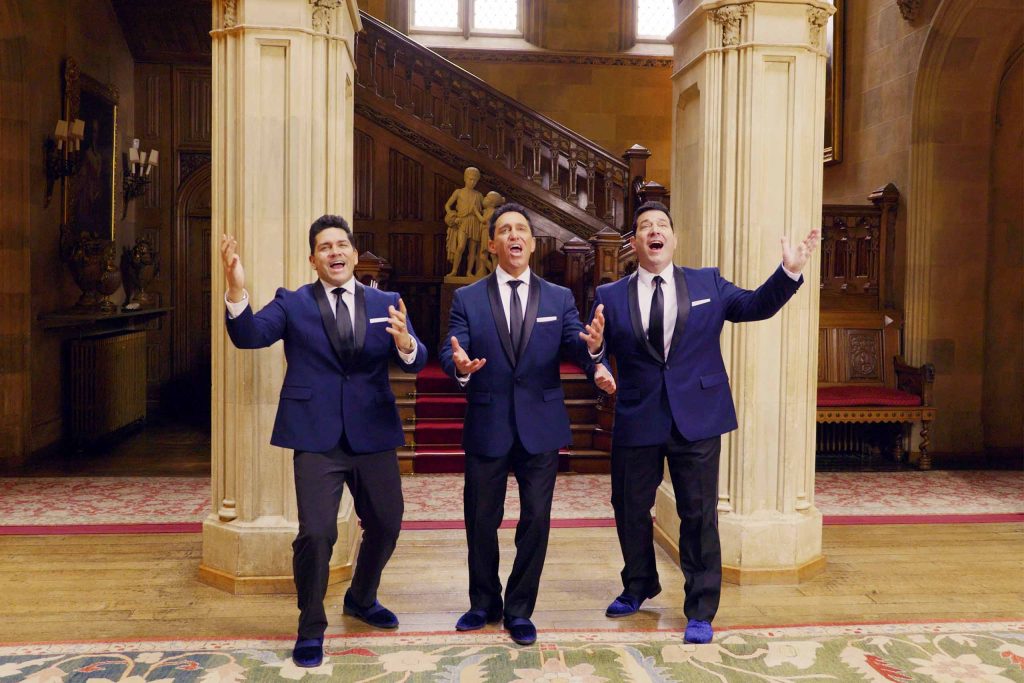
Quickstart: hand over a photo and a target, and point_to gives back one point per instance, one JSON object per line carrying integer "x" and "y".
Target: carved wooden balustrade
{"x": 542, "y": 164}
{"x": 857, "y": 246}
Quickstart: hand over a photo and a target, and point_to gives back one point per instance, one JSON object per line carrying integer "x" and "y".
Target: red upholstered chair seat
{"x": 850, "y": 396}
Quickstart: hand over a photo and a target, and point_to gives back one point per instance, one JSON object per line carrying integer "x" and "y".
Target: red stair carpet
{"x": 440, "y": 412}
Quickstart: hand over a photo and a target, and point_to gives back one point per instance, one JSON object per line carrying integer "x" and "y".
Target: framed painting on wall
{"x": 834, "y": 46}
{"x": 89, "y": 194}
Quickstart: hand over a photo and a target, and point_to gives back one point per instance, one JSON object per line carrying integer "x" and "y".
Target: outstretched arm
{"x": 743, "y": 305}
{"x": 246, "y": 330}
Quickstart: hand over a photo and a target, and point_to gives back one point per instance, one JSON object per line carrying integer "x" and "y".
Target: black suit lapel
{"x": 637, "y": 321}
{"x": 327, "y": 317}
{"x": 359, "y": 326}
{"x": 530, "y": 317}
{"x": 682, "y": 308}
{"x": 498, "y": 312}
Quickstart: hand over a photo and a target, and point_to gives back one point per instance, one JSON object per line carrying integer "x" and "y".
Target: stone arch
{"x": 15, "y": 243}
{"x": 952, "y": 126}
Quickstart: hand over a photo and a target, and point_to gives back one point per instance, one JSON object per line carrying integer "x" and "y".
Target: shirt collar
{"x": 504, "y": 277}
{"x": 349, "y": 286}
{"x": 647, "y": 277}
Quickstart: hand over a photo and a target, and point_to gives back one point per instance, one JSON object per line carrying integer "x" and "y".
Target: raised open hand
{"x": 594, "y": 335}
{"x": 398, "y": 328}
{"x": 463, "y": 365}
{"x": 794, "y": 259}
{"x": 234, "y": 273}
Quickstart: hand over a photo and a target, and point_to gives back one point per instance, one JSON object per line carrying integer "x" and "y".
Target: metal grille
{"x": 500, "y": 15}
{"x": 654, "y": 18}
{"x": 436, "y": 14}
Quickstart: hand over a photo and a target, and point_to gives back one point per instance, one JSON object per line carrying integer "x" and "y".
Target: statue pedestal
{"x": 448, "y": 287}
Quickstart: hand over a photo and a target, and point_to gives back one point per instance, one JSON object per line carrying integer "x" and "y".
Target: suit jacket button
{"x": 666, "y": 366}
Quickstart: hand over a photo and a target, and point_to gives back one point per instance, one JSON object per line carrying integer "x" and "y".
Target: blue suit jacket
{"x": 322, "y": 397}
{"x": 691, "y": 386}
{"x": 510, "y": 396}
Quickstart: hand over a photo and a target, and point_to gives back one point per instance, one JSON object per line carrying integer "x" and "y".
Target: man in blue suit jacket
{"x": 337, "y": 412}
{"x": 516, "y": 325}
{"x": 663, "y": 325}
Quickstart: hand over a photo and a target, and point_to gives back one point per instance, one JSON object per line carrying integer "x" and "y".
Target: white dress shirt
{"x": 348, "y": 294}
{"x": 645, "y": 294}
{"x": 505, "y": 294}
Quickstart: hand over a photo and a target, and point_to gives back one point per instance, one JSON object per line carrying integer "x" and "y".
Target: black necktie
{"x": 656, "y": 325}
{"x": 344, "y": 321}
{"x": 515, "y": 316}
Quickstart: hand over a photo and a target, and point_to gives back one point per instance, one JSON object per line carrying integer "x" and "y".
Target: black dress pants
{"x": 484, "y": 507}
{"x": 693, "y": 468}
{"x": 376, "y": 487}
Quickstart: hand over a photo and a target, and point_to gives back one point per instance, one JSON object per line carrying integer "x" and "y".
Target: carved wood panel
{"x": 362, "y": 176}
{"x": 405, "y": 185}
{"x": 406, "y": 251}
{"x": 365, "y": 242}
{"x": 193, "y": 118}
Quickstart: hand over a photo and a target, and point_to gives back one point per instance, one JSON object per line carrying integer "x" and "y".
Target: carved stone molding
{"x": 908, "y": 8}
{"x": 729, "y": 17}
{"x": 323, "y": 14}
{"x": 230, "y": 13}
{"x": 817, "y": 19}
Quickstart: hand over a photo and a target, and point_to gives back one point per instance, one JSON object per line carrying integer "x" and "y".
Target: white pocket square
{"x": 547, "y": 319}
{"x": 700, "y": 302}
{"x": 378, "y": 320}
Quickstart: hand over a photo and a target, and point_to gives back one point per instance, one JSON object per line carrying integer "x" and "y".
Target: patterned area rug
{"x": 944, "y": 652}
{"x": 179, "y": 504}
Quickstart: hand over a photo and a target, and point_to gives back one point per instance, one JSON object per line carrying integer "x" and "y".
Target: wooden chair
{"x": 862, "y": 378}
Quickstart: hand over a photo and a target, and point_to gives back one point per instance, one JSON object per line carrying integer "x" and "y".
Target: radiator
{"x": 107, "y": 384}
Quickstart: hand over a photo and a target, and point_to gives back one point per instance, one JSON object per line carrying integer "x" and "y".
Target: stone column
{"x": 283, "y": 74}
{"x": 749, "y": 94}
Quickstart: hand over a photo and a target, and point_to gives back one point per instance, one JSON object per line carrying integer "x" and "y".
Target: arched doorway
{"x": 190, "y": 389}
{"x": 949, "y": 229}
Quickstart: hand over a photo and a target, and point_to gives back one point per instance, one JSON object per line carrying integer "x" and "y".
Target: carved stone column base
{"x": 763, "y": 548}
{"x": 256, "y": 558}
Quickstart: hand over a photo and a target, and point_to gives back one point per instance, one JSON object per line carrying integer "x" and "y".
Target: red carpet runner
{"x": 440, "y": 412}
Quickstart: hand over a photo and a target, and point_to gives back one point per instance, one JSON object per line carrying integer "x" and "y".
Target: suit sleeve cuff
{"x": 408, "y": 358}
{"x": 235, "y": 308}
{"x": 795, "y": 277}
{"x": 463, "y": 380}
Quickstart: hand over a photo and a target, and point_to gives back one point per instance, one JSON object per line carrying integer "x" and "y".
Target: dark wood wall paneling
{"x": 174, "y": 114}
{"x": 400, "y": 193}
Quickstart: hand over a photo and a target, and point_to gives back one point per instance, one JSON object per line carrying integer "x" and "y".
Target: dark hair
{"x": 652, "y": 206}
{"x": 328, "y": 220}
{"x": 506, "y": 208}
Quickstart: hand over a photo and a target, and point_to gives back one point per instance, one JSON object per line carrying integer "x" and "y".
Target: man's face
{"x": 513, "y": 242}
{"x": 334, "y": 258}
{"x": 654, "y": 241}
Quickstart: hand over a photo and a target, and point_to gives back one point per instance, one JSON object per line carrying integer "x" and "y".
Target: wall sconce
{"x": 136, "y": 173}
{"x": 62, "y": 151}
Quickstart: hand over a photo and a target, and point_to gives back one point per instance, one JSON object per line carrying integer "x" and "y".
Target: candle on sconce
{"x": 61, "y": 133}
{"x": 153, "y": 157}
{"x": 133, "y": 157}
{"x": 77, "y": 133}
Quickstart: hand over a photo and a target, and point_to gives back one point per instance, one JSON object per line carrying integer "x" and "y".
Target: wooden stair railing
{"x": 432, "y": 102}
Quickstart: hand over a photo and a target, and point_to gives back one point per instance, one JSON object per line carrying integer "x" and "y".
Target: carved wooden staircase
{"x": 436, "y": 110}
